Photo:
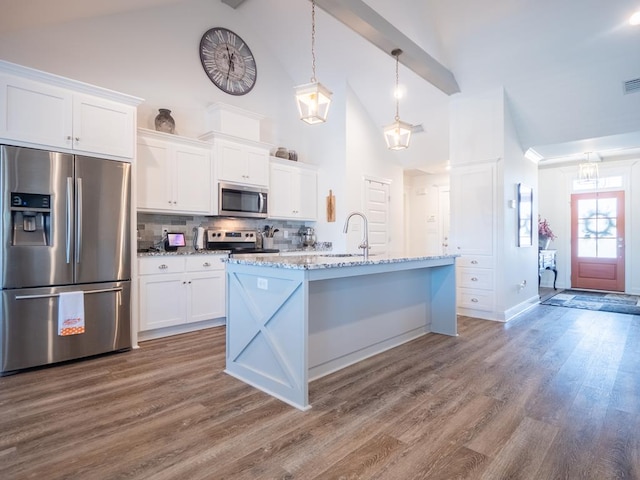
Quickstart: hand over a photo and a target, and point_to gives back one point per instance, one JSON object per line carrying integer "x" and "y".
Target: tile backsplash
{"x": 150, "y": 226}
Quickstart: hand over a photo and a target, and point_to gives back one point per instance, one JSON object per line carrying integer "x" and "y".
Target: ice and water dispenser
{"x": 30, "y": 219}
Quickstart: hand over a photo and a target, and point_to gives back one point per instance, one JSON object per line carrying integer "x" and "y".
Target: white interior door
{"x": 377, "y": 212}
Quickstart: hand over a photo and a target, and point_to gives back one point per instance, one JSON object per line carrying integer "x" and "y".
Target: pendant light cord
{"x": 396, "y": 53}
{"x": 313, "y": 41}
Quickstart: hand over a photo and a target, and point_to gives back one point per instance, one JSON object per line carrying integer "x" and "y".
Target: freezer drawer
{"x": 29, "y": 335}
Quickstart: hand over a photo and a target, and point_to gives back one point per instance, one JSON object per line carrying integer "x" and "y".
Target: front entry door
{"x": 597, "y": 241}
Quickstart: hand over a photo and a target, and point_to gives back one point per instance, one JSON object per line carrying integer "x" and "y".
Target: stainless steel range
{"x": 237, "y": 241}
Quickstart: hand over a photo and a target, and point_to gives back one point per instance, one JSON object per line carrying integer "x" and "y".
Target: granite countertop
{"x": 183, "y": 251}
{"x": 329, "y": 260}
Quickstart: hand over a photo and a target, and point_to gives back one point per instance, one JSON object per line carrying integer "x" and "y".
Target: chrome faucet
{"x": 364, "y": 245}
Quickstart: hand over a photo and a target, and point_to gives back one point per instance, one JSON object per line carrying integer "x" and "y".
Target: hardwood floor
{"x": 553, "y": 394}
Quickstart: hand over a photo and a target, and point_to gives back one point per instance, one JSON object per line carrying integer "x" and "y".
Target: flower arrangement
{"x": 544, "y": 230}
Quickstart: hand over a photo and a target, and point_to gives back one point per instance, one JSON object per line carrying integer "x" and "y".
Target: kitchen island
{"x": 293, "y": 319}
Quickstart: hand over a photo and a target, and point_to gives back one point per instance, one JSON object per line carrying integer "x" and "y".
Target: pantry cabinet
{"x": 293, "y": 190}
{"x": 49, "y": 112}
{"x": 473, "y": 214}
{"x": 181, "y": 289}
{"x": 174, "y": 174}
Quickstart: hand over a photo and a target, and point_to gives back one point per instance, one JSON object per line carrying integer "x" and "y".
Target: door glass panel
{"x": 607, "y": 248}
{"x": 597, "y": 227}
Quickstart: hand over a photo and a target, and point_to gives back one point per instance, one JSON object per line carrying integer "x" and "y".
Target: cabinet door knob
{"x": 474, "y": 262}
{"x": 68, "y": 137}
{"x": 77, "y": 139}
{"x": 474, "y": 300}
{"x": 474, "y": 279}
{"x": 163, "y": 267}
{"x": 206, "y": 264}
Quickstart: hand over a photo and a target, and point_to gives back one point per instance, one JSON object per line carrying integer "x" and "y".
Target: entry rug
{"x": 605, "y": 302}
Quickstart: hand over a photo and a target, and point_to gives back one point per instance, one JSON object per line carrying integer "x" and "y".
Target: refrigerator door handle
{"x": 78, "y": 219}
{"x": 69, "y": 218}
{"x": 55, "y": 295}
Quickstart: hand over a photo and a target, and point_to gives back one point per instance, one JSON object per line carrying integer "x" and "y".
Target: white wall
{"x": 518, "y": 265}
{"x": 153, "y": 54}
{"x": 368, "y": 157}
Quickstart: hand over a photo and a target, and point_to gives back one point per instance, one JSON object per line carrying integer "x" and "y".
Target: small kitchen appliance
{"x": 173, "y": 240}
{"x": 307, "y": 236}
{"x": 237, "y": 241}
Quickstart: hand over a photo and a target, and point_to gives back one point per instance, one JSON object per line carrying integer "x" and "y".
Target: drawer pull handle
{"x": 206, "y": 264}
{"x": 474, "y": 279}
{"x": 474, "y": 262}
{"x": 474, "y": 300}
{"x": 163, "y": 267}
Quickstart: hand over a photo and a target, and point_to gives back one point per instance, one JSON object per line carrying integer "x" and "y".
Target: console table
{"x": 547, "y": 261}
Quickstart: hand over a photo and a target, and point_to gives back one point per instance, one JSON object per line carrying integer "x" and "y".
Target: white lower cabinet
{"x": 181, "y": 289}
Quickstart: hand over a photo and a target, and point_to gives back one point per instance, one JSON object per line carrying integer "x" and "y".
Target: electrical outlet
{"x": 285, "y": 233}
{"x": 263, "y": 284}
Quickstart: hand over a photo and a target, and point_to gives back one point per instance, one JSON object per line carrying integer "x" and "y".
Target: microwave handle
{"x": 261, "y": 202}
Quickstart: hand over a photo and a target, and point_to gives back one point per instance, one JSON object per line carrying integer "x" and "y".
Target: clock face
{"x": 228, "y": 61}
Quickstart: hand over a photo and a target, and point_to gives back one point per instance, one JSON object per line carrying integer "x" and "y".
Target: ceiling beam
{"x": 364, "y": 20}
{"x": 233, "y": 3}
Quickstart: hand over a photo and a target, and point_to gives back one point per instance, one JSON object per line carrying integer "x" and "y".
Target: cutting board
{"x": 331, "y": 207}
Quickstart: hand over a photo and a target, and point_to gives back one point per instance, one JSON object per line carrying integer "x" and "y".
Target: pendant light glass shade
{"x": 588, "y": 171}
{"x": 398, "y": 134}
{"x": 313, "y": 99}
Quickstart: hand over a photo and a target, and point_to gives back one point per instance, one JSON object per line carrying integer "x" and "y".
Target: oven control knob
{"x": 219, "y": 234}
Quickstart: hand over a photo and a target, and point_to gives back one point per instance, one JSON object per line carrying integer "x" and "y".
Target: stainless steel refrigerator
{"x": 65, "y": 228}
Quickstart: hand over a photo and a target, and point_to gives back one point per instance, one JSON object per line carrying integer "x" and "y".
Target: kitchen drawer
{"x": 205, "y": 263}
{"x": 475, "y": 278}
{"x": 475, "y": 261}
{"x": 160, "y": 265}
{"x": 475, "y": 299}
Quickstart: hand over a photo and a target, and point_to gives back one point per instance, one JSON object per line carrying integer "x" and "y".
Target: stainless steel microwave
{"x": 242, "y": 200}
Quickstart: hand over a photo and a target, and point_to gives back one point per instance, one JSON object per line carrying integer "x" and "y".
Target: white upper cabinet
{"x": 293, "y": 191}
{"x": 242, "y": 163}
{"x": 102, "y": 126}
{"x": 174, "y": 174}
{"x": 46, "y": 111}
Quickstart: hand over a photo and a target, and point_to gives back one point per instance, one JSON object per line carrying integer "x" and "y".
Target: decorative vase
{"x": 165, "y": 122}
{"x": 543, "y": 242}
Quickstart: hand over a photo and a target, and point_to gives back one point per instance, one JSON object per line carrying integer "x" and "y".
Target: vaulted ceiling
{"x": 562, "y": 64}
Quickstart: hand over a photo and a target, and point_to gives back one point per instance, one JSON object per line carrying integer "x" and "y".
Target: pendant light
{"x": 588, "y": 171}
{"x": 313, "y": 98}
{"x": 398, "y": 134}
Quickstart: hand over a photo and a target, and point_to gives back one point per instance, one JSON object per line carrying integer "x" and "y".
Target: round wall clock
{"x": 228, "y": 61}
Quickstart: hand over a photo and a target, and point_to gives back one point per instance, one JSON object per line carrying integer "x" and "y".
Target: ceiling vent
{"x": 632, "y": 86}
